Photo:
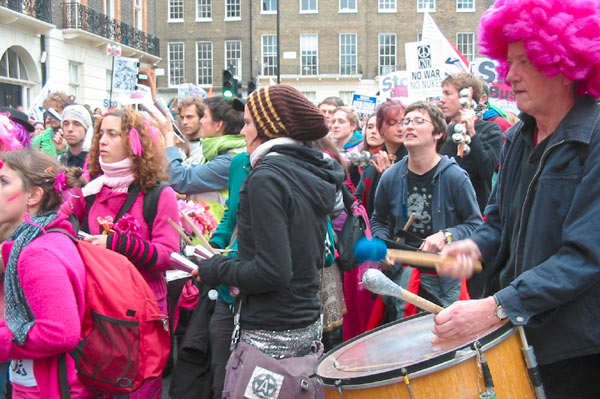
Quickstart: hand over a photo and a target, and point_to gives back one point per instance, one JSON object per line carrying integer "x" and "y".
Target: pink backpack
{"x": 125, "y": 337}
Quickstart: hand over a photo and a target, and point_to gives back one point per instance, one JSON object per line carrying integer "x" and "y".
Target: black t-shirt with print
{"x": 420, "y": 194}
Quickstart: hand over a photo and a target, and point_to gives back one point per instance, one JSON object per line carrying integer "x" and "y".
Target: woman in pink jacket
{"x": 125, "y": 161}
{"x": 44, "y": 280}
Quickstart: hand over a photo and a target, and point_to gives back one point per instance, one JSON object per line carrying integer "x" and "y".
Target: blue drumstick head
{"x": 370, "y": 249}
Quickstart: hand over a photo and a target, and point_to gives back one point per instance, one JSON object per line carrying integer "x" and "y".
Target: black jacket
{"x": 482, "y": 161}
{"x": 282, "y": 219}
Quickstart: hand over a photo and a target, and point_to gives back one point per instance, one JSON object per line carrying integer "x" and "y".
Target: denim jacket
{"x": 555, "y": 287}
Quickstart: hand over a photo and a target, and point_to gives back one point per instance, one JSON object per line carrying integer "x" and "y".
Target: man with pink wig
{"x": 542, "y": 236}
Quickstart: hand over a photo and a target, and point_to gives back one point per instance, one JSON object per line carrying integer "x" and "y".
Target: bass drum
{"x": 378, "y": 364}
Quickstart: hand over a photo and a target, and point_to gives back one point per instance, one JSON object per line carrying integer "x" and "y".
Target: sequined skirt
{"x": 286, "y": 343}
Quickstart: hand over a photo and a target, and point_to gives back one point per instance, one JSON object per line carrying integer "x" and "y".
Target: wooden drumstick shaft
{"x": 197, "y": 232}
{"x": 424, "y": 258}
{"x": 375, "y": 281}
{"x": 419, "y": 301}
{"x": 180, "y": 232}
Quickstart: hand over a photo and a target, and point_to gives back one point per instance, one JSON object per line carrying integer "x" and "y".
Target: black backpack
{"x": 150, "y": 205}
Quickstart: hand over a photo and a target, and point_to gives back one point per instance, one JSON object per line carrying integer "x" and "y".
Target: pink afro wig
{"x": 559, "y": 36}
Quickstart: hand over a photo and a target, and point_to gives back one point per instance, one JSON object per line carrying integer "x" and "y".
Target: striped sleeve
{"x": 141, "y": 253}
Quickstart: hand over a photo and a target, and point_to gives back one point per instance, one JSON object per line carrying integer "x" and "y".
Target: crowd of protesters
{"x": 275, "y": 179}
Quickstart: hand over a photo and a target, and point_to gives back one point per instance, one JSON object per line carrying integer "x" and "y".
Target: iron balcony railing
{"x": 78, "y": 16}
{"x": 39, "y": 9}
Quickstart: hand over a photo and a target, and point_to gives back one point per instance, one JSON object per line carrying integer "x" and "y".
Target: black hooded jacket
{"x": 282, "y": 219}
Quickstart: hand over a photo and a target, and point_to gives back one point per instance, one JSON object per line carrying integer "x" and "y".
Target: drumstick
{"x": 181, "y": 232}
{"x": 410, "y": 221}
{"x": 375, "y": 281}
{"x": 197, "y": 232}
{"x": 424, "y": 258}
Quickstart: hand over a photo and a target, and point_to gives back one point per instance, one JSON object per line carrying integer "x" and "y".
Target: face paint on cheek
{"x": 14, "y": 197}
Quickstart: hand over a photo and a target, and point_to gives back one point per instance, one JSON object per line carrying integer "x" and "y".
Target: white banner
{"x": 425, "y": 67}
{"x": 453, "y": 60}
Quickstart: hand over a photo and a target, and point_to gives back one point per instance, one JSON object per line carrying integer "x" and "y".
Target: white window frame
{"x": 310, "y": 96}
{"x": 138, "y": 14}
{"x": 419, "y": 36}
{"x": 346, "y": 95}
{"x": 233, "y": 3}
{"x": 347, "y": 10}
{"x": 470, "y": 9}
{"x": 169, "y": 71}
{"x": 109, "y": 8}
{"x": 237, "y": 61}
{"x": 271, "y": 56}
{"x": 209, "y": 64}
{"x": 273, "y": 11}
{"x": 309, "y": 39}
{"x": 13, "y": 65}
{"x": 309, "y": 11}
{"x": 74, "y": 84}
{"x": 459, "y": 45}
{"x": 387, "y": 9}
{"x": 422, "y": 8}
{"x": 208, "y": 4}
{"x": 393, "y": 66}
{"x": 343, "y": 66}
{"x": 170, "y": 6}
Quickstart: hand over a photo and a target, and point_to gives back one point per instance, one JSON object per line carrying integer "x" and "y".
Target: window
{"x": 11, "y": 66}
{"x": 175, "y": 11}
{"x": 269, "y": 55}
{"x": 309, "y": 6}
{"x": 109, "y": 8}
{"x": 387, "y": 53}
{"x": 310, "y": 95}
{"x": 387, "y": 6}
{"x": 233, "y": 57}
{"x": 73, "y": 78}
{"x": 347, "y": 5}
{"x": 233, "y": 9}
{"x": 309, "y": 54}
{"x": 464, "y": 43}
{"x": 203, "y": 10}
{"x": 269, "y": 6}
{"x": 425, "y": 5}
{"x": 204, "y": 63}
{"x": 138, "y": 15}
{"x": 419, "y": 36}
{"x": 465, "y": 5}
{"x": 176, "y": 63}
{"x": 348, "y": 53}
{"x": 346, "y": 96}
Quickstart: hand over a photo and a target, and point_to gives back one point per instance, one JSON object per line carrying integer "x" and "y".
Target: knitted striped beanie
{"x": 282, "y": 111}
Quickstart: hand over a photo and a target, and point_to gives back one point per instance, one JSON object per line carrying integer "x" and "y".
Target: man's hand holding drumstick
{"x": 463, "y": 318}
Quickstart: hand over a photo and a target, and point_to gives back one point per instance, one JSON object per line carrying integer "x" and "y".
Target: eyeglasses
{"x": 418, "y": 121}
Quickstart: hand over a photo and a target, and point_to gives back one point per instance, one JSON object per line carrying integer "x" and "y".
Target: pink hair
{"x": 559, "y": 36}
{"x": 8, "y": 135}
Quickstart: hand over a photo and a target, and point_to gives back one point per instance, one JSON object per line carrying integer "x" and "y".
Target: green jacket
{"x": 221, "y": 238}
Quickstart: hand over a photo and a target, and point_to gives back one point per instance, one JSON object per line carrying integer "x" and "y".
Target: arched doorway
{"x": 17, "y": 76}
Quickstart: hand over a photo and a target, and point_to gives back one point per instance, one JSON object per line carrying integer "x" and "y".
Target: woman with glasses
{"x": 387, "y": 117}
{"x": 440, "y": 195}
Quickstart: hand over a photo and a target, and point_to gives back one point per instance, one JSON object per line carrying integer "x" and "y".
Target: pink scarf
{"x": 117, "y": 175}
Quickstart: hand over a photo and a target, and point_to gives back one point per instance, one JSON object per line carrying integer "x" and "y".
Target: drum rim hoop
{"x": 419, "y": 369}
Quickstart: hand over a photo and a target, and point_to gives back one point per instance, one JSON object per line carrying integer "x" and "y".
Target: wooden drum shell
{"x": 451, "y": 375}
